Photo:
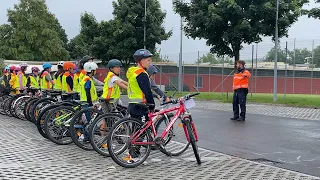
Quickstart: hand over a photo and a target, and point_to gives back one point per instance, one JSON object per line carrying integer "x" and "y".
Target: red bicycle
{"x": 130, "y": 140}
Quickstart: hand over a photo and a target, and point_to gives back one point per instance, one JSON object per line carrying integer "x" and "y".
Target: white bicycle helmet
{"x": 23, "y": 65}
{"x": 60, "y": 63}
{"x": 90, "y": 66}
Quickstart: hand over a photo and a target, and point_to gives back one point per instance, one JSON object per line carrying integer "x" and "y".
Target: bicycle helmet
{"x": 142, "y": 54}
{"x": 47, "y": 65}
{"x": 23, "y": 65}
{"x": 90, "y": 66}
{"x": 12, "y": 68}
{"x": 17, "y": 69}
{"x": 67, "y": 65}
{"x": 152, "y": 70}
{"x": 114, "y": 63}
{"x": 35, "y": 69}
{"x": 7, "y": 68}
{"x": 60, "y": 63}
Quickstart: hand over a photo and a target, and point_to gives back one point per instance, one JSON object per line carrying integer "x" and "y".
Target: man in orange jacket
{"x": 240, "y": 87}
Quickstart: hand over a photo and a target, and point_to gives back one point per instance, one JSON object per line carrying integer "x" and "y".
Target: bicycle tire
{"x": 193, "y": 140}
{"x": 11, "y": 107}
{"x": 42, "y": 116}
{"x": 65, "y": 129}
{"x": 166, "y": 141}
{"x": 114, "y": 155}
{"x": 34, "y": 108}
{"x": 6, "y": 106}
{"x": 19, "y": 104}
{"x": 2, "y": 99}
{"x": 97, "y": 147}
{"x": 75, "y": 134}
{"x": 29, "y": 103}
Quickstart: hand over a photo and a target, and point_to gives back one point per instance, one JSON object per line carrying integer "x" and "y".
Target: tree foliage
{"x": 121, "y": 36}
{"x": 298, "y": 56}
{"x": 227, "y": 24}
{"x": 33, "y": 33}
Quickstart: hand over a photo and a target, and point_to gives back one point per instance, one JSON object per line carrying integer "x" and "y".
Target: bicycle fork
{"x": 188, "y": 119}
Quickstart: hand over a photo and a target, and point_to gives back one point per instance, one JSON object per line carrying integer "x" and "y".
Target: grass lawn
{"x": 300, "y": 100}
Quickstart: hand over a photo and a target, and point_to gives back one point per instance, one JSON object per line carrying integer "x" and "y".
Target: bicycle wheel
{"x": 41, "y": 118}
{"x": 27, "y": 107}
{"x": 6, "y": 105}
{"x": 35, "y": 110}
{"x": 192, "y": 139}
{"x": 80, "y": 125}
{"x": 12, "y": 103}
{"x": 56, "y": 125}
{"x": 133, "y": 155}
{"x": 44, "y": 113}
{"x": 99, "y": 131}
{"x": 2, "y": 104}
{"x": 19, "y": 106}
{"x": 175, "y": 142}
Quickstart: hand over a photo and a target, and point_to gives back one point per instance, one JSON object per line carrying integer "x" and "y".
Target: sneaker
{"x": 241, "y": 119}
{"x": 234, "y": 118}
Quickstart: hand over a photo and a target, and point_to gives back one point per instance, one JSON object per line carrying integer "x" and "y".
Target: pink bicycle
{"x": 130, "y": 140}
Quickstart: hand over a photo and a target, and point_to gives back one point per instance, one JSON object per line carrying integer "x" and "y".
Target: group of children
{"x": 72, "y": 78}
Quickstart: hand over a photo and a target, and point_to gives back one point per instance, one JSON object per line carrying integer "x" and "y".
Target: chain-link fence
{"x": 298, "y": 69}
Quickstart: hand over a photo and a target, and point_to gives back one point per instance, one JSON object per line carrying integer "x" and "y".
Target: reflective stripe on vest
{"x": 135, "y": 94}
{"x": 110, "y": 92}
{"x": 93, "y": 90}
{"x": 65, "y": 86}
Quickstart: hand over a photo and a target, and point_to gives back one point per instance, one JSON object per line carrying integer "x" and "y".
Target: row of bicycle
{"x": 106, "y": 128}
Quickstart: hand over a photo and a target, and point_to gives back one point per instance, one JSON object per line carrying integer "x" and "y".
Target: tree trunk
{"x": 236, "y": 53}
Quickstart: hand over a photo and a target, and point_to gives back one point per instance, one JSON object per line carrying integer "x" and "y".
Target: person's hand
{"x": 167, "y": 99}
{"x": 158, "y": 97}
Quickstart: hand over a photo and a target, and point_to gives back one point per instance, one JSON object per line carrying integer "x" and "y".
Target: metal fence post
{"x": 252, "y": 67}
{"x": 222, "y": 79}
{"x": 285, "y": 76}
{"x": 312, "y": 67}
{"x": 294, "y": 64}
{"x": 255, "y": 77}
{"x": 198, "y": 70}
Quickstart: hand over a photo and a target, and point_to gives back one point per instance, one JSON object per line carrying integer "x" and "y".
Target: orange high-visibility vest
{"x": 241, "y": 80}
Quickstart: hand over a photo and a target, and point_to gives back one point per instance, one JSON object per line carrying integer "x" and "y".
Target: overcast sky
{"x": 68, "y": 12}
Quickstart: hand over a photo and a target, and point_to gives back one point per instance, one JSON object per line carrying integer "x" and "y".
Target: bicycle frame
{"x": 180, "y": 110}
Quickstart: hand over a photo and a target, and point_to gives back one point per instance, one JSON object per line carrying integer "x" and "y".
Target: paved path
{"x": 24, "y": 154}
{"x": 264, "y": 109}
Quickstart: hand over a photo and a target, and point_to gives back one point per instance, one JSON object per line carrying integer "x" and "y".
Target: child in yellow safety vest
{"x": 13, "y": 80}
{"x": 33, "y": 79}
{"x": 112, "y": 82}
{"x": 88, "y": 92}
{"x": 67, "y": 80}
{"x": 46, "y": 81}
{"x": 21, "y": 80}
{"x": 57, "y": 78}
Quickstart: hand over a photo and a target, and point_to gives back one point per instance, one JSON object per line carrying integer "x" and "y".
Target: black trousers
{"x": 240, "y": 99}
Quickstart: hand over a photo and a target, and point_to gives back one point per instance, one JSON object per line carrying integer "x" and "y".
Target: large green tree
{"x": 33, "y": 33}
{"x": 129, "y": 28}
{"x": 83, "y": 43}
{"x": 227, "y": 24}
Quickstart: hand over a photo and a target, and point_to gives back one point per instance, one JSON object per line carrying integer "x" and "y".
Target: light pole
{"x": 144, "y": 24}
{"x": 180, "y": 57}
{"x": 276, "y": 56}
